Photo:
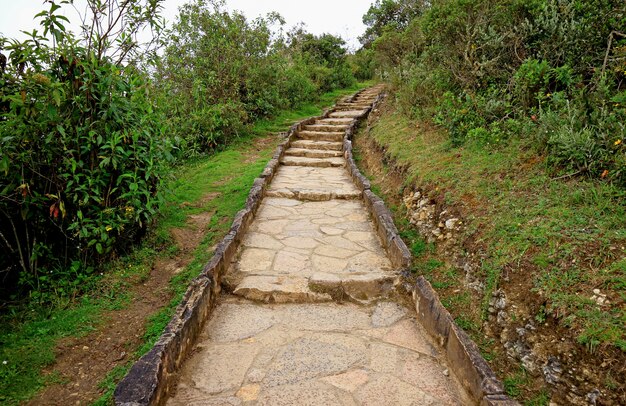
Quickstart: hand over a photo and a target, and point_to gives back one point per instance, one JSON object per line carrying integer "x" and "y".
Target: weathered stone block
{"x": 472, "y": 370}
{"x": 498, "y": 400}
{"x": 141, "y": 384}
{"x": 215, "y": 268}
{"x": 430, "y": 312}
{"x": 362, "y": 182}
{"x": 228, "y": 246}
{"x": 399, "y": 253}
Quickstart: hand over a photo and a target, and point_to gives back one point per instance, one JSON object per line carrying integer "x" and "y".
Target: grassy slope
{"x": 560, "y": 238}
{"x": 29, "y": 336}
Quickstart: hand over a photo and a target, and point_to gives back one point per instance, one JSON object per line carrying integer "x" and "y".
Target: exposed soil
{"x": 579, "y": 374}
{"x": 260, "y": 144}
{"x": 82, "y": 363}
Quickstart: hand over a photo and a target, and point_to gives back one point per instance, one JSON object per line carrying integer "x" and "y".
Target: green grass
{"x": 29, "y": 334}
{"x": 573, "y": 231}
{"x": 561, "y": 238}
{"x": 514, "y": 383}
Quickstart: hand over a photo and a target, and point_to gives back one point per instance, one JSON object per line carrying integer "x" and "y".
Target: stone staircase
{"x": 311, "y": 317}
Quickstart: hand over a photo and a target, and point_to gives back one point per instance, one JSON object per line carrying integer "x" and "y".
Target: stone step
{"x": 335, "y": 121}
{"x": 312, "y": 184}
{"x": 313, "y": 194}
{"x": 355, "y": 105}
{"x": 315, "y": 162}
{"x": 276, "y": 289}
{"x": 308, "y": 251}
{"x": 359, "y": 287}
{"x": 313, "y": 153}
{"x": 326, "y": 127}
{"x": 317, "y": 145}
{"x": 321, "y": 136}
{"x": 352, "y": 107}
{"x": 347, "y": 114}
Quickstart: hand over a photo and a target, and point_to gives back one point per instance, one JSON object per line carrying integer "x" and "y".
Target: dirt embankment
{"x": 538, "y": 357}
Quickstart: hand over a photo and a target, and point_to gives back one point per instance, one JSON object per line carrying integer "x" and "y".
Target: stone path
{"x": 310, "y": 320}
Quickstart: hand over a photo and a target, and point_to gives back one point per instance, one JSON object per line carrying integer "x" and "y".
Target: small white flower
{"x": 5, "y": 362}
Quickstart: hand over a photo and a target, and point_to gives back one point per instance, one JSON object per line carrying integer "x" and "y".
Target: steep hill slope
{"x": 531, "y": 266}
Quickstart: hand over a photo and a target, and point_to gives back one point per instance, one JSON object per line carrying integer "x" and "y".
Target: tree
{"x": 389, "y": 14}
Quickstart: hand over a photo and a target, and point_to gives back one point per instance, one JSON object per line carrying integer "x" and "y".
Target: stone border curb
{"x": 461, "y": 352}
{"x": 397, "y": 250}
{"x": 151, "y": 377}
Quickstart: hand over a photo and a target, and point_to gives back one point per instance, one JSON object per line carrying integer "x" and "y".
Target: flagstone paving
{"x": 314, "y": 354}
{"x": 311, "y": 183}
{"x": 299, "y": 251}
{"x": 311, "y": 318}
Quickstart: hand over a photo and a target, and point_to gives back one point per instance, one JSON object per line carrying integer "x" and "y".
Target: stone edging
{"x": 152, "y": 376}
{"x": 462, "y": 354}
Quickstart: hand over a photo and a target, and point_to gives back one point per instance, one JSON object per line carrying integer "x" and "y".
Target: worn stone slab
{"x": 310, "y": 183}
{"x": 314, "y": 153}
{"x": 317, "y": 145}
{"x": 335, "y": 120}
{"x": 387, "y": 313}
{"x": 347, "y": 114}
{"x": 314, "y": 162}
{"x": 321, "y": 135}
{"x": 326, "y": 127}
{"x": 387, "y": 390}
{"x": 307, "y": 358}
{"x": 278, "y": 289}
{"x": 308, "y": 354}
{"x": 350, "y": 107}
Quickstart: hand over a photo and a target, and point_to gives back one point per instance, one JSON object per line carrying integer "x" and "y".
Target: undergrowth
{"x": 30, "y": 332}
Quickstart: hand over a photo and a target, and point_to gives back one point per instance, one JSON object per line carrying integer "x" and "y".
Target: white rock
{"x": 451, "y": 223}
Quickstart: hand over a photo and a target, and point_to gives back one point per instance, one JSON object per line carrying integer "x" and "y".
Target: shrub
{"x": 486, "y": 70}
{"x": 81, "y": 151}
{"x": 220, "y": 72}
{"x": 209, "y": 127}
{"x": 585, "y": 140}
{"x": 296, "y": 86}
{"x": 458, "y": 115}
{"x": 362, "y": 64}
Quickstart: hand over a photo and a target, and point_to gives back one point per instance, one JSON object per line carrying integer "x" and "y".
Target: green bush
{"x": 458, "y": 115}
{"x": 81, "y": 158}
{"x": 220, "y": 72}
{"x": 489, "y": 70}
{"x": 296, "y": 86}
{"x": 362, "y": 64}
{"x": 212, "y": 125}
{"x": 585, "y": 138}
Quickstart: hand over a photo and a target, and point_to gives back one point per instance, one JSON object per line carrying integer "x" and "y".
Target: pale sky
{"x": 339, "y": 17}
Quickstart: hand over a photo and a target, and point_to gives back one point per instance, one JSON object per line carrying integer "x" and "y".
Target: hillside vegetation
{"x": 110, "y": 148}
{"x": 552, "y": 72}
{"x": 90, "y": 123}
{"x": 510, "y": 115}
